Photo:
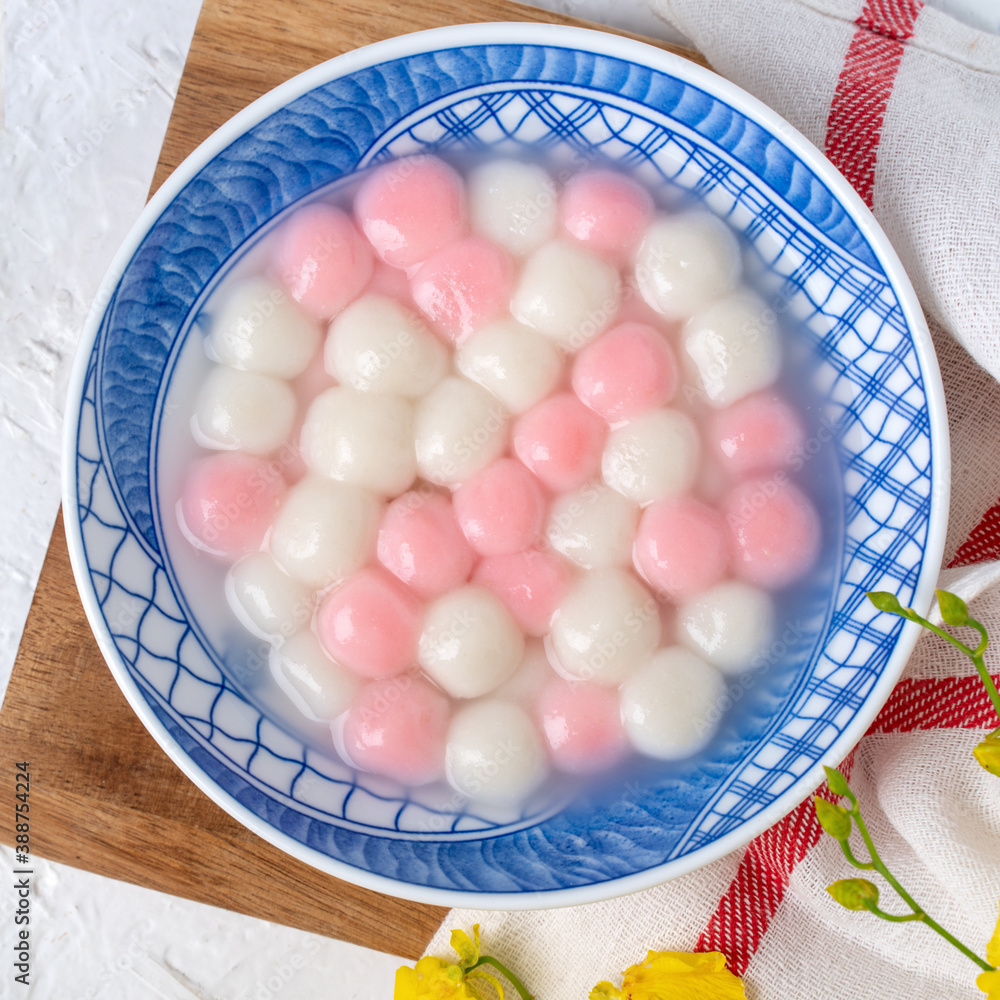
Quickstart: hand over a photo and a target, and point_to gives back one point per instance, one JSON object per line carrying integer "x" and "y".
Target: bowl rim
{"x": 657, "y": 59}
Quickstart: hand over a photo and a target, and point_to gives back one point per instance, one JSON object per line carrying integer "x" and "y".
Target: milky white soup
{"x": 495, "y": 475}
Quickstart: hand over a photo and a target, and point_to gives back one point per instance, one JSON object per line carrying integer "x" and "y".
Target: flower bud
{"x": 854, "y": 893}
{"x": 837, "y": 783}
{"x": 834, "y": 819}
{"x": 953, "y": 609}
{"x": 886, "y": 602}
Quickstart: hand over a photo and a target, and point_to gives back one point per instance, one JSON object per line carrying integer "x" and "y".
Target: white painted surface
{"x": 88, "y": 88}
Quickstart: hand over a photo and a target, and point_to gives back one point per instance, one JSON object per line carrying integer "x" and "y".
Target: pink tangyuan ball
{"x": 681, "y": 548}
{"x": 322, "y": 259}
{"x": 531, "y": 584}
{"x": 390, "y": 283}
{"x": 410, "y": 208}
{"x": 421, "y": 543}
{"x": 397, "y": 727}
{"x": 774, "y": 531}
{"x": 463, "y": 287}
{"x": 606, "y": 211}
{"x": 581, "y": 724}
{"x": 561, "y": 441}
{"x": 501, "y": 509}
{"x": 228, "y": 502}
{"x": 758, "y": 434}
{"x": 370, "y": 624}
{"x": 626, "y": 371}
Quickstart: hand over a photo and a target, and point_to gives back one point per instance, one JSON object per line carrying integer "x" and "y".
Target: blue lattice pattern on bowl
{"x": 568, "y": 94}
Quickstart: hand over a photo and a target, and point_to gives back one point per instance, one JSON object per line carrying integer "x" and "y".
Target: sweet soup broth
{"x": 485, "y": 479}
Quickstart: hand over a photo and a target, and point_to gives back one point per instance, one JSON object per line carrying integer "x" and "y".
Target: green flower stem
{"x": 893, "y": 917}
{"x": 879, "y": 865}
{"x": 951, "y": 939}
{"x": 918, "y": 912}
{"x": 522, "y": 991}
{"x": 849, "y": 854}
{"x": 984, "y": 642}
{"x": 991, "y": 688}
{"x": 976, "y": 655}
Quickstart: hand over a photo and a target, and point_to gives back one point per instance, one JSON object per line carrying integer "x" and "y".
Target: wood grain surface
{"x": 242, "y": 50}
{"x": 104, "y": 796}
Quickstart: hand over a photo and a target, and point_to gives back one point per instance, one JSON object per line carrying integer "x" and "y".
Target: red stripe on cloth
{"x": 892, "y": 18}
{"x": 953, "y": 702}
{"x": 745, "y": 911}
{"x": 983, "y": 542}
{"x": 857, "y": 112}
{"x": 854, "y": 130}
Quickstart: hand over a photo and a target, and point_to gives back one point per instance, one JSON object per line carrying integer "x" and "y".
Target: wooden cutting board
{"x": 103, "y": 795}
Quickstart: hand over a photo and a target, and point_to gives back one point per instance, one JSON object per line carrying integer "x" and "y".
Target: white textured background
{"x": 87, "y": 88}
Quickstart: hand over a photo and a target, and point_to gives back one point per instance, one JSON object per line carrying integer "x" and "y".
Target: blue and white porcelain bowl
{"x": 510, "y": 86}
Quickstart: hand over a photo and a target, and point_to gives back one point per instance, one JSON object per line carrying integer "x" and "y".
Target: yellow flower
{"x": 675, "y": 975}
{"x": 988, "y": 752}
{"x": 433, "y": 978}
{"x": 467, "y": 949}
{"x": 989, "y": 982}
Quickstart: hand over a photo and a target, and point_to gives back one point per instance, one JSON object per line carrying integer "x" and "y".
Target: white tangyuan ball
{"x": 268, "y": 601}
{"x": 243, "y": 410}
{"x": 320, "y": 688}
{"x": 325, "y": 530}
{"x": 517, "y": 364}
{"x": 493, "y": 752}
{"x": 377, "y": 345}
{"x": 685, "y": 262}
{"x": 729, "y": 625}
{"x": 593, "y": 526}
{"x": 469, "y": 644}
{"x": 361, "y": 438}
{"x": 605, "y": 627}
{"x": 653, "y": 456}
{"x": 567, "y": 294}
{"x": 459, "y": 429}
{"x": 733, "y": 348}
{"x": 672, "y": 704}
{"x": 513, "y": 204}
{"x": 259, "y": 328}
